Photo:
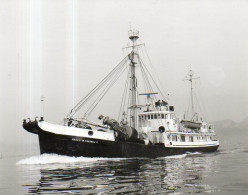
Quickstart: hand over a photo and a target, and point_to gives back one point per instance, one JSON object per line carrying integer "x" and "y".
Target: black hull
{"x": 31, "y": 126}
{"x": 75, "y": 146}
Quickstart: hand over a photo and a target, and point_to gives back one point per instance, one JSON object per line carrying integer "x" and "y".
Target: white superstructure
{"x": 161, "y": 126}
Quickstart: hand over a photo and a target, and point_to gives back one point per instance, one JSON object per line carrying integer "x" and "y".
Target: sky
{"x": 61, "y": 49}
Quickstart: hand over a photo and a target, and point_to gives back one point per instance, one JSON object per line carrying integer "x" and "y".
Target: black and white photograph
{"x": 124, "y": 97}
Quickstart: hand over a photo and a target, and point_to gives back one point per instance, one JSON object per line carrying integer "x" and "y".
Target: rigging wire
{"x": 150, "y": 62}
{"x": 110, "y": 84}
{"x": 150, "y": 89}
{"x": 124, "y": 94}
{"x": 187, "y": 113}
{"x": 128, "y": 103}
{"x": 99, "y": 84}
{"x": 144, "y": 79}
{"x": 150, "y": 86}
{"x": 202, "y": 108}
{"x": 97, "y": 87}
{"x": 103, "y": 82}
{"x": 96, "y": 91}
{"x": 203, "y": 105}
{"x": 152, "y": 79}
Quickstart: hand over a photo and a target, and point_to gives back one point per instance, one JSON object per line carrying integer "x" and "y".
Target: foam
{"x": 176, "y": 156}
{"x": 183, "y": 155}
{"x": 193, "y": 153}
{"x": 59, "y": 159}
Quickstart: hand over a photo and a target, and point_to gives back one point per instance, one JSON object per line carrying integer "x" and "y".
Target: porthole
{"x": 90, "y": 133}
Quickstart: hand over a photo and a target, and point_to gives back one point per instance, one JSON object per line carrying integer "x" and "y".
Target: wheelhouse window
{"x": 155, "y": 116}
{"x": 183, "y": 138}
{"x": 174, "y": 138}
{"x": 162, "y": 116}
{"x": 191, "y": 138}
{"x": 148, "y": 116}
{"x": 152, "y": 116}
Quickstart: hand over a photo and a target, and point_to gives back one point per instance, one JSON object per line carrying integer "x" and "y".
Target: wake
{"x": 59, "y": 159}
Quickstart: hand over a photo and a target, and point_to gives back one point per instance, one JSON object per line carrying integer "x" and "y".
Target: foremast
{"x": 133, "y": 36}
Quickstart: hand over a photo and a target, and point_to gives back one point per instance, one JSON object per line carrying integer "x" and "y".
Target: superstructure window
{"x": 148, "y": 116}
{"x": 152, "y": 116}
{"x": 163, "y": 116}
{"x": 174, "y": 138}
{"x": 155, "y": 116}
{"x": 183, "y": 138}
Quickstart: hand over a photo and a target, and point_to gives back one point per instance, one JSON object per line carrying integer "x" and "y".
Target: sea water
{"x": 221, "y": 172}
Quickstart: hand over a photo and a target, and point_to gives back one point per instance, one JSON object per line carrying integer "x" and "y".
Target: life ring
{"x": 161, "y": 129}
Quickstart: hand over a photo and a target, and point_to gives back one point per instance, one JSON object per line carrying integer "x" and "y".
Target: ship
{"x": 149, "y": 129}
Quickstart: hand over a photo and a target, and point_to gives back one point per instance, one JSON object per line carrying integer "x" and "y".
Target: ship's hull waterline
{"x": 87, "y": 147}
{"x": 75, "y": 146}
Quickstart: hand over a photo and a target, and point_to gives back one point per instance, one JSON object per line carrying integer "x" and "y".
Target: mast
{"x": 191, "y": 91}
{"x": 42, "y": 108}
{"x": 133, "y": 36}
{"x": 190, "y": 79}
